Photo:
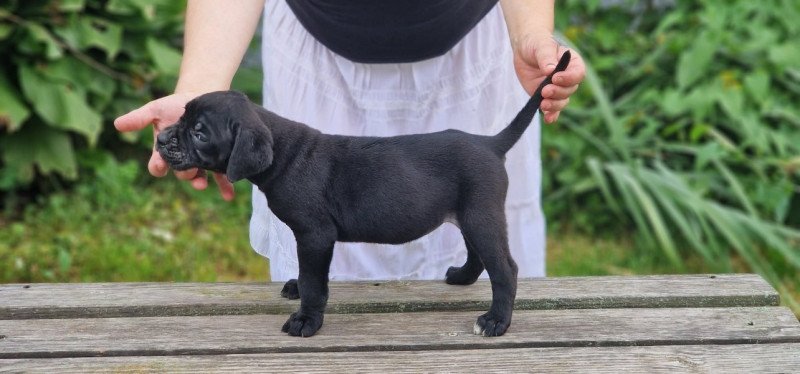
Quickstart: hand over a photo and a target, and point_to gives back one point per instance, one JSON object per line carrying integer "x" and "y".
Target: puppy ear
{"x": 252, "y": 152}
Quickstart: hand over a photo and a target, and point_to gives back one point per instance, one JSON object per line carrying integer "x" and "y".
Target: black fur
{"x": 392, "y": 190}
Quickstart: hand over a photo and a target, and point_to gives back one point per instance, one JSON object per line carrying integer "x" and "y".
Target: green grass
{"x": 116, "y": 229}
{"x": 569, "y": 254}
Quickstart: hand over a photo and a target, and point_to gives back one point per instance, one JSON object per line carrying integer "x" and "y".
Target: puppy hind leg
{"x": 487, "y": 233}
{"x": 469, "y": 272}
{"x": 290, "y": 290}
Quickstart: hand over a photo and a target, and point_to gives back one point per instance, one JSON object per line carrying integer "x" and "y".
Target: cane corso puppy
{"x": 391, "y": 190}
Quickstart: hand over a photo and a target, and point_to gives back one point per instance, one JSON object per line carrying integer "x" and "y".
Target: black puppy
{"x": 392, "y": 190}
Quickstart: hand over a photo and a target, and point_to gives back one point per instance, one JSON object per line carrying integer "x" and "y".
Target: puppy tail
{"x": 509, "y": 136}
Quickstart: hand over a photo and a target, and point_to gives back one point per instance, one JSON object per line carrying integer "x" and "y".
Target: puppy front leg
{"x": 314, "y": 256}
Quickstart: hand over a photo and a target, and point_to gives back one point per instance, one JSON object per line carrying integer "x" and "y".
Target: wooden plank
{"x": 393, "y": 331}
{"x": 19, "y": 301}
{"x": 756, "y": 358}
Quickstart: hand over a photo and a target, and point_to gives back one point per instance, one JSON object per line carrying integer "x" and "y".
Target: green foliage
{"x": 67, "y": 75}
{"x": 69, "y": 68}
{"x": 687, "y": 133}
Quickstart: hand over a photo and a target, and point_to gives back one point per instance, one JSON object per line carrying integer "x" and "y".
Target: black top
{"x": 380, "y": 31}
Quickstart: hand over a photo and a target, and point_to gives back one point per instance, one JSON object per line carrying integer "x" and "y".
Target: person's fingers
{"x": 196, "y": 177}
{"x": 157, "y": 166}
{"x": 160, "y": 112}
{"x": 545, "y": 51}
{"x": 187, "y": 175}
{"x": 574, "y": 74}
{"x": 556, "y": 92}
{"x": 554, "y": 105}
{"x": 200, "y": 182}
{"x": 538, "y": 52}
{"x": 136, "y": 119}
{"x": 225, "y": 187}
{"x": 551, "y": 117}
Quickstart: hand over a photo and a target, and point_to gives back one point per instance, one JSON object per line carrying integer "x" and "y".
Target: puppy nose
{"x": 163, "y": 138}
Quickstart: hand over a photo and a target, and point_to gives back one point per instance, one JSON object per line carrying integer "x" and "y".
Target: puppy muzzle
{"x": 169, "y": 147}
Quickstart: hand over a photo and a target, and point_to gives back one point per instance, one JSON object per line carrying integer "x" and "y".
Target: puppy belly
{"x": 390, "y": 233}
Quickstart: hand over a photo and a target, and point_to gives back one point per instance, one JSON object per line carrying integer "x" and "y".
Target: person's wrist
{"x": 530, "y": 38}
{"x": 197, "y": 87}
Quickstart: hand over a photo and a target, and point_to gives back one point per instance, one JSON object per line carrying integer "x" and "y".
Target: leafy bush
{"x": 687, "y": 131}
{"x": 69, "y": 68}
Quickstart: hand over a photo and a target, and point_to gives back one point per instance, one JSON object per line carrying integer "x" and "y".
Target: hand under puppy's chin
{"x": 175, "y": 161}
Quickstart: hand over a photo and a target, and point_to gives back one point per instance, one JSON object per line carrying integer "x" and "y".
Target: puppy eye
{"x": 201, "y": 137}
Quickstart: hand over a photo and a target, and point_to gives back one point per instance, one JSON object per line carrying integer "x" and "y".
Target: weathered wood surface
{"x": 394, "y": 331}
{"x": 757, "y": 358}
{"x": 18, "y": 301}
{"x": 699, "y": 323}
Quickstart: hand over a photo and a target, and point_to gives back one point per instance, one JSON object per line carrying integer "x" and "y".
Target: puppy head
{"x": 219, "y": 131}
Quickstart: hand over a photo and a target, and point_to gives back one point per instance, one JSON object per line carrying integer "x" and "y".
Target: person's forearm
{"x": 215, "y": 40}
{"x": 528, "y": 17}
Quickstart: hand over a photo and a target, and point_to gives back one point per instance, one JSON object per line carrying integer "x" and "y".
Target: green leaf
{"x": 757, "y": 85}
{"x": 121, "y": 7}
{"x": 40, "y": 34}
{"x": 72, "y": 71}
{"x": 5, "y": 30}
{"x": 785, "y": 55}
{"x": 732, "y": 101}
{"x": 709, "y": 152}
{"x": 737, "y": 188}
{"x": 701, "y": 100}
{"x": 656, "y": 219}
{"x": 71, "y": 5}
{"x": 13, "y": 111}
{"x": 40, "y": 147}
{"x": 599, "y": 176}
{"x": 146, "y": 8}
{"x": 695, "y": 61}
{"x": 698, "y": 131}
{"x": 96, "y": 32}
{"x": 166, "y": 58}
{"x": 59, "y": 105}
{"x": 40, "y": 94}
{"x": 672, "y": 102}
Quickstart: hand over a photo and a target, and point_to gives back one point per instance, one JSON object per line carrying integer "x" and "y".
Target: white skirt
{"x": 472, "y": 88}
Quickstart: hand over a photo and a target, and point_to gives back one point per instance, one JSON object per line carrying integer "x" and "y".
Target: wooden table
{"x": 695, "y": 323}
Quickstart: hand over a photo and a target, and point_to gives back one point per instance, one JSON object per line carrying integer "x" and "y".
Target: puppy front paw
{"x": 303, "y": 324}
{"x": 290, "y": 290}
{"x": 490, "y": 324}
{"x": 460, "y": 276}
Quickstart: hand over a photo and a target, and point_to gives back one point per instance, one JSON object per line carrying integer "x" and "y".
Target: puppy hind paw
{"x": 488, "y": 325}
{"x": 290, "y": 290}
{"x": 459, "y": 276}
{"x": 302, "y": 324}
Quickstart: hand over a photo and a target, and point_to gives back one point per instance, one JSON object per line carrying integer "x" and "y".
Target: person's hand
{"x": 162, "y": 113}
{"x": 535, "y": 56}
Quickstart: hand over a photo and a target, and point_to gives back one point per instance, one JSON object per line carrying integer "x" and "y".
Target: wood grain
{"x": 145, "y": 336}
{"x": 18, "y": 301}
{"x": 757, "y": 358}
